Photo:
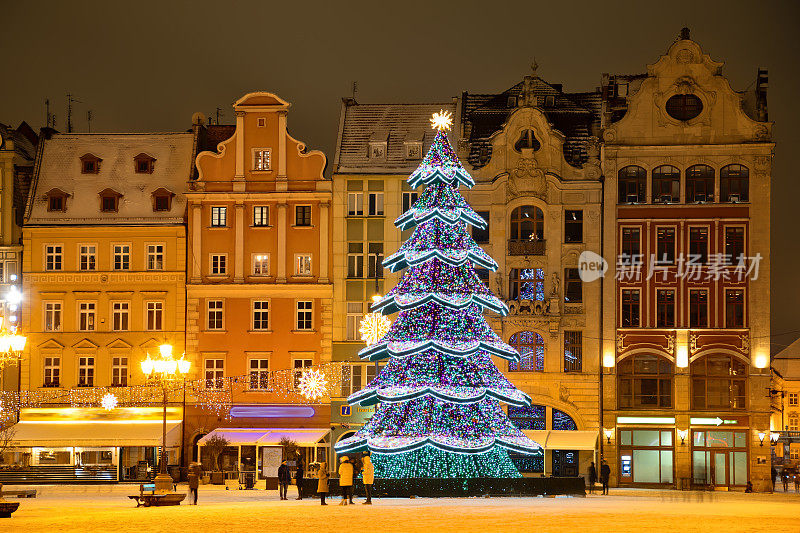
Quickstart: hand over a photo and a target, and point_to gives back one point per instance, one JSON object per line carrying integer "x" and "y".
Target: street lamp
{"x": 163, "y": 371}
{"x": 11, "y": 345}
{"x": 773, "y": 437}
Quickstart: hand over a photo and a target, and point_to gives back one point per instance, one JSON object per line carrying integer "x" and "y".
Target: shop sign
{"x": 662, "y": 420}
{"x": 718, "y": 421}
{"x": 344, "y": 413}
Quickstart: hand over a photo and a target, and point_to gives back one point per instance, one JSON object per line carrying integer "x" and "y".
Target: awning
{"x": 94, "y": 433}
{"x": 564, "y": 440}
{"x": 267, "y": 436}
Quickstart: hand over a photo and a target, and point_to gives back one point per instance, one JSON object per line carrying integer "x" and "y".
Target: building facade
{"x": 785, "y": 395}
{"x": 686, "y": 162}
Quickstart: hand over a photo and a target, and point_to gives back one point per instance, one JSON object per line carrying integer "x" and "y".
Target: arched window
{"x": 734, "y": 183}
{"x": 684, "y": 106}
{"x": 632, "y": 184}
{"x": 527, "y": 139}
{"x": 666, "y": 184}
{"x": 530, "y": 345}
{"x": 718, "y": 382}
{"x": 527, "y": 223}
{"x": 530, "y": 417}
{"x": 699, "y": 184}
{"x": 526, "y": 284}
{"x": 645, "y": 382}
{"x": 562, "y": 421}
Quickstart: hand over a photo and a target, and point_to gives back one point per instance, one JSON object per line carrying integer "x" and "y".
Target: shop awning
{"x": 267, "y": 436}
{"x": 564, "y": 440}
{"x": 94, "y": 433}
{"x": 235, "y": 436}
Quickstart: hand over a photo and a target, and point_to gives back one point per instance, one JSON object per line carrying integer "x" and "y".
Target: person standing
{"x": 785, "y": 479}
{"x": 298, "y": 478}
{"x": 284, "y": 478}
{"x": 592, "y": 477}
{"x": 194, "y": 481}
{"x": 605, "y": 474}
{"x": 774, "y": 474}
{"x": 322, "y": 484}
{"x": 368, "y": 473}
{"x": 346, "y": 480}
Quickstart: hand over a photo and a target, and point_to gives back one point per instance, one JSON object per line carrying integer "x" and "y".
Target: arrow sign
{"x": 717, "y": 421}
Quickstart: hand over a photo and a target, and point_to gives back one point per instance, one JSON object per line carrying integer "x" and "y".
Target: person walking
{"x": 194, "y": 481}
{"x": 368, "y": 475}
{"x": 346, "y": 480}
{"x": 592, "y": 477}
{"x": 605, "y": 474}
{"x": 785, "y": 479}
{"x": 284, "y": 478}
{"x": 797, "y": 481}
{"x": 774, "y": 474}
{"x": 298, "y": 478}
{"x": 322, "y": 484}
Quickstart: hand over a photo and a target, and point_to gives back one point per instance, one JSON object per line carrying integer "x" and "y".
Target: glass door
{"x": 721, "y": 469}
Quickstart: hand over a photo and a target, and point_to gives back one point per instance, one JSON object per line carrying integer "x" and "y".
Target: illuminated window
{"x": 527, "y": 223}
{"x": 530, "y": 345}
{"x": 86, "y": 316}
{"x": 734, "y": 183}
{"x": 261, "y": 159}
{"x": 215, "y": 373}
{"x": 526, "y": 284}
{"x": 259, "y": 374}
{"x": 632, "y": 184}
{"x": 261, "y": 215}
{"x": 261, "y": 265}
{"x": 355, "y": 313}
{"x": 302, "y": 265}
{"x": 700, "y": 183}
{"x": 666, "y": 184}
{"x": 573, "y": 351}
{"x": 719, "y": 382}
{"x": 533, "y": 417}
{"x": 219, "y": 216}
{"x": 299, "y": 366}
{"x": 155, "y": 257}
{"x": 793, "y": 397}
{"x": 645, "y": 381}
{"x": 52, "y": 316}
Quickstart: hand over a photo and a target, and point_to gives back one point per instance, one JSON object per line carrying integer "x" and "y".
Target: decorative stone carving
{"x": 745, "y": 343}
{"x": 554, "y": 285}
{"x": 526, "y": 178}
{"x": 620, "y": 342}
{"x": 563, "y": 394}
{"x": 692, "y": 343}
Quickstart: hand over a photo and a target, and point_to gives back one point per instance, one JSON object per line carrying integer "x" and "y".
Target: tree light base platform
{"x": 471, "y": 487}
{"x": 6, "y": 508}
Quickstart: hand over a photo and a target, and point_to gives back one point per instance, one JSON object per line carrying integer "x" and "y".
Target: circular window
{"x": 684, "y": 106}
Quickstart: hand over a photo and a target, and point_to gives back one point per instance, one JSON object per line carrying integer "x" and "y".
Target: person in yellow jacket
{"x": 322, "y": 484}
{"x": 368, "y": 473}
{"x": 346, "y": 480}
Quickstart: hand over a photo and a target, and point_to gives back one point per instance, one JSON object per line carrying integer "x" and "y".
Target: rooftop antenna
{"x": 89, "y": 119}
{"x": 534, "y": 67}
{"x": 47, "y": 116}
{"x": 70, "y": 101}
{"x": 219, "y": 113}
{"x": 355, "y": 89}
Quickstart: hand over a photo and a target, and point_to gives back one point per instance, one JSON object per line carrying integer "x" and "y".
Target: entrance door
{"x": 720, "y": 469}
{"x": 565, "y": 463}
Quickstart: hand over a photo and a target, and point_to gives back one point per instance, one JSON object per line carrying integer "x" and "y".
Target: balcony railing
{"x": 526, "y": 247}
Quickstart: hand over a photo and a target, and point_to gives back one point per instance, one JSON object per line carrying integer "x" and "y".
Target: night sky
{"x": 147, "y": 66}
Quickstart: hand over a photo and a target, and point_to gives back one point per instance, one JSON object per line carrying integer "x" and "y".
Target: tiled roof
{"x": 60, "y": 168}
{"x": 397, "y": 123}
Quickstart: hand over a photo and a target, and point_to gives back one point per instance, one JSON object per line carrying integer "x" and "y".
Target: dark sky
{"x": 147, "y": 66}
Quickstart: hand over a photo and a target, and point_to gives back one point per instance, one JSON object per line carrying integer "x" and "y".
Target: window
{"x": 527, "y": 140}
{"x": 261, "y": 265}
{"x": 573, "y": 351}
{"x": 481, "y": 234}
{"x": 573, "y": 287}
{"x": 155, "y": 316}
{"x": 215, "y": 314}
{"x": 377, "y": 150}
{"x": 261, "y": 122}
{"x": 698, "y": 308}
{"x": 357, "y": 376}
{"x": 52, "y": 372}
{"x": 734, "y": 183}
{"x": 700, "y": 183}
{"x": 684, "y": 106}
{"x": 573, "y": 226}
{"x": 219, "y": 217}
{"x": 793, "y": 397}
{"x": 261, "y": 215}
{"x": 144, "y": 164}
{"x": 527, "y": 224}
{"x": 86, "y": 316}
{"x": 90, "y": 164}
{"x": 665, "y": 308}
{"x": 261, "y": 315}
{"x": 87, "y": 257}
{"x": 355, "y": 204}
{"x": 259, "y": 374}
{"x": 120, "y": 312}
{"x": 302, "y": 265}
{"x": 526, "y": 284}
{"x": 665, "y": 246}
{"x": 219, "y": 265}
{"x": 698, "y": 245}
{"x": 355, "y": 313}
{"x": 52, "y": 316}
{"x": 632, "y": 184}
{"x": 355, "y": 260}
{"x": 53, "y": 256}
{"x": 630, "y": 242}
{"x": 109, "y": 201}
{"x": 375, "y": 204}
{"x": 56, "y": 200}
{"x": 122, "y": 257}
{"x": 304, "y": 315}
{"x": 530, "y": 346}
{"x": 302, "y": 215}
{"x": 375, "y": 260}
{"x": 734, "y": 244}
{"x": 718, "y": 382}
{"x": 119, "y": 371}
{"x": 734, "y": 308}
{"x": 562, "y": 421}
{"x": 261, "y": 159}
{"x": 630, "y": 308}
{"x": 215, "y": 373}
{"x": 86, "y": 372}
{"x": 483, "y": 275}
{"x": 410, "y": 198}
{"x": 645, "y": 382}
{"x": 532, "y": 417}
{"x": 162, "y": 199}
{"x": 413, "y": 150}
{"x": 666, "y": 184}
{"x": 299, "y": 367}
{"x": 155, "y": 257}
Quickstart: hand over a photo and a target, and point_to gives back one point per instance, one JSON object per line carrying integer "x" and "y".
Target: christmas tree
{"x": 439, "y": 413}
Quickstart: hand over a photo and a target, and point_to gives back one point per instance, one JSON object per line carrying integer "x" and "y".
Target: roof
{"x": 787, "y": 361}
{"x": 60, "y": 168}
{"x": 24, "y": 140}
{"x": 394, "y": 123}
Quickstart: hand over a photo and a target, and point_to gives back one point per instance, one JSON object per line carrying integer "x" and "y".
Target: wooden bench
{"x": 147, "y": 497}
{"x": 27, "y": 493}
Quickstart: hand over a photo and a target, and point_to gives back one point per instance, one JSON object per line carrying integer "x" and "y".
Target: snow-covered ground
{"x": 106, "y": 508}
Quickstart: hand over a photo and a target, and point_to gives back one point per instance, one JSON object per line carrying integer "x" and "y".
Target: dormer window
{"x": 56, "y": 200}
{"x": 162, "y": 199}
{"x": 377, "y": 145}
{"x": 549, "y": 101}
{"x": 90, "y": 164}
{"x": 413, "y": 144}
{"x": 109, "y": 201}
{"x": 144, "y": 164}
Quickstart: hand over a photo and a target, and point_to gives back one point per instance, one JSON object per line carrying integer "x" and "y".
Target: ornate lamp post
{"x": 11, "y": 346}
{"x": 163, "y": 372}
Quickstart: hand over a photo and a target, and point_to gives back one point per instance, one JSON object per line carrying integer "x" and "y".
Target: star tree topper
{"x": 442, "y": 120}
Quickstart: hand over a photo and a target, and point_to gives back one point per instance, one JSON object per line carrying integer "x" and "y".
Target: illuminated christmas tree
{"x": 439, "y": 412}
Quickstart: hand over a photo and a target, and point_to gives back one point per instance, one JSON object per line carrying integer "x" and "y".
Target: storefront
{"x": 720, "y": 458}
{"x": 647, "y": 456}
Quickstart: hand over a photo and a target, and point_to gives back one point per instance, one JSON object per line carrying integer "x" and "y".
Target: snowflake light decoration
{"x": 442, "y": 120}
{"x": 313, "y": 384}
{"x": 373, "y": 327}
{"x": 109, "y": 402}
